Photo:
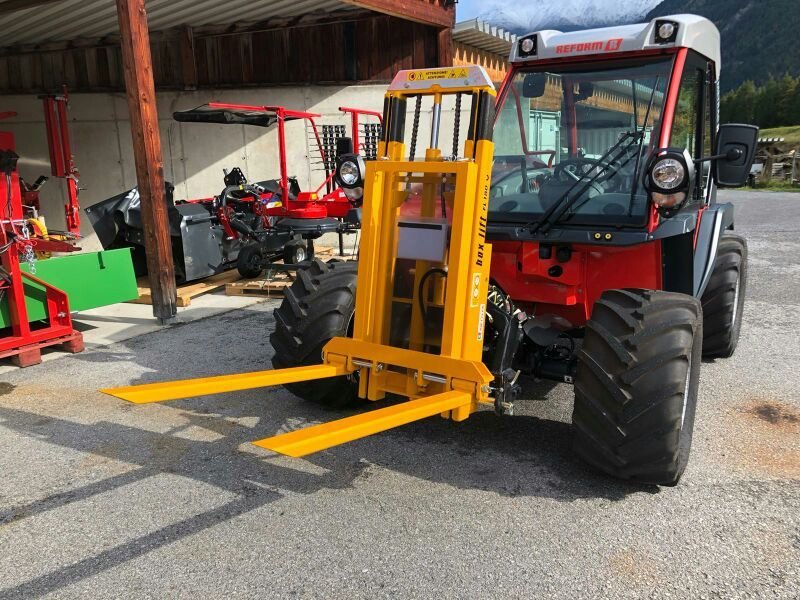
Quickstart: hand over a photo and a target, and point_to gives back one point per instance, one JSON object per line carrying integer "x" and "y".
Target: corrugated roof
{"x": 76, "y": 19}
{"x": 484, "y": 36}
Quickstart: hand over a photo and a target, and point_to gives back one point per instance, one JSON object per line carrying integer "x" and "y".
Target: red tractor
{"x": 613, "y": 266}
{"x": 575, "y": 236}
{"x": 252, "y": 224}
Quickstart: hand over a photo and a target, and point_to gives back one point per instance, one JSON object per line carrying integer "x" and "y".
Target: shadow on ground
{"x": 510, "y": 456}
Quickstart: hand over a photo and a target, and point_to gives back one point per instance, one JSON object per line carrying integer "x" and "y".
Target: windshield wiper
{"x": 567, "y": 200}
{"x": 635, "y": 181}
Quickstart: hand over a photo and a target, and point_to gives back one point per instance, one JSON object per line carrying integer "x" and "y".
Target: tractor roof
{"x": 689, "y": 31}
{"x": 239, "y": 114}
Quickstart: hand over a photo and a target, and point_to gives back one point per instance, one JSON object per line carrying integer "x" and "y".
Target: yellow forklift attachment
{"x": 423, "y": 276}
{"x": 188, "y": 388}
{"x": 319, "y": 437}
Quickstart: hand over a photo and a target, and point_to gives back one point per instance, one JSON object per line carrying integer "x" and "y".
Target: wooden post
{"x": 138, "y": 68}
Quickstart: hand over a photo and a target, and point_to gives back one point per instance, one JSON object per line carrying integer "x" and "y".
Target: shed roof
{"x": 61, "y": 20}
{"x": 484, "y": 36}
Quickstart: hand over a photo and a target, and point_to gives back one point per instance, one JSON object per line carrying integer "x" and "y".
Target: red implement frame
{"x": 355, "y": 113}
{"x": 61, "y": 163}
{"x": 309, "y": 204}
{"x": 25, "y": 340}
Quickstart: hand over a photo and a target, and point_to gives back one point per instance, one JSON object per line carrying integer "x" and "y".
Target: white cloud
{"x": 529, "y": 15}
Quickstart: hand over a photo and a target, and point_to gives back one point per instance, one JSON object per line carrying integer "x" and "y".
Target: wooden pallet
{"x": 277, "y": 281}
{"x": 188, "y": 291}
{"x": 272, "y": 287}
{"x": 326, "y": 253}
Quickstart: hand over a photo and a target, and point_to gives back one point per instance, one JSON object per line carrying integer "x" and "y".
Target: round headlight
{"x": 669, "y": 174}
{"x": 349, "y": 173}
{"x": 527, "y": 45}
{"x": 666, "y": 30}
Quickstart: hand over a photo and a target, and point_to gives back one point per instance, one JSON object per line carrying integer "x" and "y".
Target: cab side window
{"x": 693, "y": 123}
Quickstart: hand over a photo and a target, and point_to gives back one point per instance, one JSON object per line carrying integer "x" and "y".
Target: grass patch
{"x": 777, "y": 186}
{"x": 792, "y": 133}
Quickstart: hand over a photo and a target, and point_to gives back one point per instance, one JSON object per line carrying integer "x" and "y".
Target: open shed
{"x": 129, "y": 64}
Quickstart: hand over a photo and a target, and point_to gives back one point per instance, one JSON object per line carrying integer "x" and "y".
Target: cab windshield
{"x": 578, "y": 139}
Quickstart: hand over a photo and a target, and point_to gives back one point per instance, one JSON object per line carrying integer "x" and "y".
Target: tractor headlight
{"x": 670, "y": 177}
{"x": 666, "y": 32}
{"x": 350, "y": 171}
{"x": 527, "y": 46}
{"x": 668, "y": 173}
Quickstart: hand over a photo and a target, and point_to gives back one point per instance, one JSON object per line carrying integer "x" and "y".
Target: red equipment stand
{"x": 61, "y": 162}
{"x": 26, "y": 340}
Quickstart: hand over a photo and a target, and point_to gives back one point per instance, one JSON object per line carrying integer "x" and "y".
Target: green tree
{"x": 783, "y": 105}
{"x": 766, "y": 106}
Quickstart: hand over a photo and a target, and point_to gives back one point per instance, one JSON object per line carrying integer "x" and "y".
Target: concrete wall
{"x": 194, "y": 153}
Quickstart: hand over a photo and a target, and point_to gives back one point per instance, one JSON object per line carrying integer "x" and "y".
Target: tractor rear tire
{"x": 723, "y": 299}
{"x": 636, "y": 385}
{"x": 318, "y": 306}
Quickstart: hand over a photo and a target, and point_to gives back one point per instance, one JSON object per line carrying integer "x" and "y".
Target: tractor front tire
{"x": 318, "y": 306}
{"x": 723, "y": 299}
{"x": 636, "y": 385}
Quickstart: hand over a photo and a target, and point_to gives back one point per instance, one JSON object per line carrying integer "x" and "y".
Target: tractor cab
{"x": 588, "y": 125}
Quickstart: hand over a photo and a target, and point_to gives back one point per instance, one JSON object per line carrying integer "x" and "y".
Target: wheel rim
{"x": 299, "y": 254}
{"x": 686, "y": 391}
{"x": 254, "y": 261}
{"x": 735, "y": 315}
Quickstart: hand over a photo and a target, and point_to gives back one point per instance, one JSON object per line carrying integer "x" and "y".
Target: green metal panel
{"x": 90, "y": 279}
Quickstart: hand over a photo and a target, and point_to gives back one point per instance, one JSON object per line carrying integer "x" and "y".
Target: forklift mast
{"x": 423, "y": 276}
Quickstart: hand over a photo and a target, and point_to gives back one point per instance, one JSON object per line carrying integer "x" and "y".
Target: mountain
{"x": 757, "y": 35}
{"x": 564, "y": 15}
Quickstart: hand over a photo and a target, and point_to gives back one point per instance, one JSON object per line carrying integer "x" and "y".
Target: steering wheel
{"x": 573, "y": 169}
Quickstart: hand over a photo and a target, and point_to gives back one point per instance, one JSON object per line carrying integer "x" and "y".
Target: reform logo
{"x": 611, "y": 45}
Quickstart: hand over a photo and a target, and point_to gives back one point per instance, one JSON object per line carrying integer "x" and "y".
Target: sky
{"x": 529, "y": 15}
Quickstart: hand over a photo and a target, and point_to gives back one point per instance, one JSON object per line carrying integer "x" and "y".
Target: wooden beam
{"x": 445, "y": 45}
{"x": 138, "y": 69}
{"x": 9, "y": 6}
{"x": 427, "y": 12}
{"x": 188, "y": 62}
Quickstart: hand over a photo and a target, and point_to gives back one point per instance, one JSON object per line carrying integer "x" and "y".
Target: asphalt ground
{"x": 99, "y": 498}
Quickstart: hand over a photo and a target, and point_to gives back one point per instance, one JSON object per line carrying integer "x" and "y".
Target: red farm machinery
{"x": 252, "y": 224}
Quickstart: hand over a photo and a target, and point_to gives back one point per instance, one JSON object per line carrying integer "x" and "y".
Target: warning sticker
{"x": 475, "y": 296}
{"x": 432, "y": 74}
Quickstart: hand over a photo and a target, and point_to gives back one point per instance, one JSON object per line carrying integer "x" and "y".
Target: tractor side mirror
{"x": 344, "y": 145}
{"x": 736, "y": 149}
{"x": 533, "y": 85}
{"x": 585, "y": 91}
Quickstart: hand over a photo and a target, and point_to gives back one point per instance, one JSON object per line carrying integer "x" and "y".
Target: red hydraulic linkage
{"x": 23, "y": 340}
{"x": 61, "y": 163}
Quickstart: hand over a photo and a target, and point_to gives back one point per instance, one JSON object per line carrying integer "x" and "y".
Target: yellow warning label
{"x": 431, "y": 74}
{"x": 475, "y": 296}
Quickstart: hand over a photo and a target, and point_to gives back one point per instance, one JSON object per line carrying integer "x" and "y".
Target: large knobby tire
{"x": 723, "y": 299}
{"x": 318, "y": 305}
{"x": 636, "y": 384}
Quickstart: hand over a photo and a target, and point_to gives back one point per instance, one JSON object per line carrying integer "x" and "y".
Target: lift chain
{"x": 457, "y": 126}
{"x": 415, "y": 129}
